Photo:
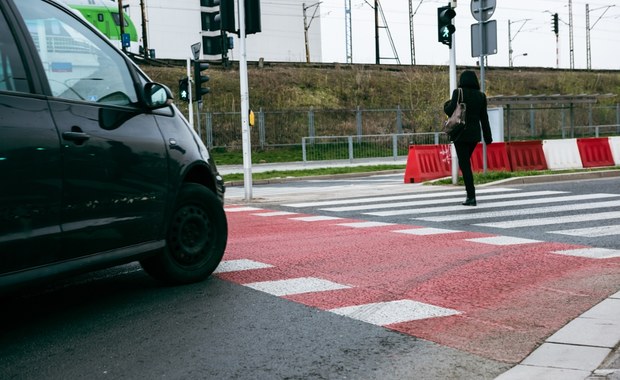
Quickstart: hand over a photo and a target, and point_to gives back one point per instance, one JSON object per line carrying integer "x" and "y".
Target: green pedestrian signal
{"x": 184, "y": 89}
{"x": 445, "y": 29}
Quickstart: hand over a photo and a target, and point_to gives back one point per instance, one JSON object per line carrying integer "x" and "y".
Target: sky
{"x": 532, "y": 38}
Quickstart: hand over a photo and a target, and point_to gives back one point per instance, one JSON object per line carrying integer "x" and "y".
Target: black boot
{"x": 469, "y": 202}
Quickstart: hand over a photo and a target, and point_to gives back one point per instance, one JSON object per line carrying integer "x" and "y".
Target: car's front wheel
{"x": 195, "y": 241}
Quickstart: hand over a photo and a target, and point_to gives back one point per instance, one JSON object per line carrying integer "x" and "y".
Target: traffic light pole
{"x": 245, "y": 105}
{"x": 482, "y": 80}
{"x": 190, "y": 95}
{"x": 453, "y": 86}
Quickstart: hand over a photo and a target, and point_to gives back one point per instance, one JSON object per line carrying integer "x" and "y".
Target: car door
{"x": 114, "y": 157}
{"x": 30, "y": 164}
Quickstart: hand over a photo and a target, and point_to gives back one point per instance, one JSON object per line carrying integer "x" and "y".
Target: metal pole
{"x": 145, "y": 44}
{"x": 190, "y": 95}
{"x": 377, "y": 55}
{"x": 121, "y": 22}
{"x": 245, "y": 105}
{"x": 306, "y": 34}
{"x": 482, "y": 79}
{"x": 453, "y": 85}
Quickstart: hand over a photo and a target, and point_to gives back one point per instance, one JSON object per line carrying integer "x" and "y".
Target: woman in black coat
{"x": 476, "y": 116}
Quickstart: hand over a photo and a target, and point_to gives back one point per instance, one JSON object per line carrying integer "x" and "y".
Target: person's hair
{"x": 469, "y": 79}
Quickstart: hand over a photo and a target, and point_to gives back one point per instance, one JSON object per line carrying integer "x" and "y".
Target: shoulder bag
{"x": 455, "y": 125}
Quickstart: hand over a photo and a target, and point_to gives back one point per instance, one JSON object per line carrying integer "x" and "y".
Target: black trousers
{"x": 464, "y": 150}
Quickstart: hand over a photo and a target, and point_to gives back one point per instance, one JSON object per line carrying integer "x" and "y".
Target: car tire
{"x": 195, "y": 240}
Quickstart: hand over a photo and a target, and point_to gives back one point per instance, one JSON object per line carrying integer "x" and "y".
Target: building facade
{"x": 172, "y": 27}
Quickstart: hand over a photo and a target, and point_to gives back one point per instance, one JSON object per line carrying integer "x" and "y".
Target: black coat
{"x": 476, "y": 115}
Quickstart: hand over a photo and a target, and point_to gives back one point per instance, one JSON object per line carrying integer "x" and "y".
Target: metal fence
{"x": 288, "y": 127}
{"x": 381, "y": 127}
{"x": 365, "y": 146}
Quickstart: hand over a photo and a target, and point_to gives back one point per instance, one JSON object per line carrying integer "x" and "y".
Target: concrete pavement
{"x": 586, "y": 348}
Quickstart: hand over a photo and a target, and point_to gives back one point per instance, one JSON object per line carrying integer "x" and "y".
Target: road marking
{"x": 592, "y": 253}
{"x": 365, "y": 224}
{"x": 439, "y": 194}
{"x": 387, "y": 313}
{"x": 529, "y": 211}
{"x": 426, "y": 231}
{"x": 552, "y": 220}
{"x": 239, "y": 265}
{"x": 503, "y": 240}
{"x": 591, "y": 232}
{"x": 241, "y": 208}
{"x": 295, "y": 286}
{"x": 316, "y": 218}
{"x": 275, "y": 213}
{"x": 460, "y": 208}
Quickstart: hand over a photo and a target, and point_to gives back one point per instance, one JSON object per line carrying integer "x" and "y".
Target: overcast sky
{"x": 534, "y": 36}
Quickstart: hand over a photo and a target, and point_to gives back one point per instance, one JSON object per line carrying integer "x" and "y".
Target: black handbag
{"x": 455, "y": 125}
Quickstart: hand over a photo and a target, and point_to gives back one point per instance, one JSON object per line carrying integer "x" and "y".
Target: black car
{"x": 97, "y": 167}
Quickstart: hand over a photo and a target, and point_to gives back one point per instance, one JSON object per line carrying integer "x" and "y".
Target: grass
{"x": 280, "y": 154}
{"x": 273, "y": 174}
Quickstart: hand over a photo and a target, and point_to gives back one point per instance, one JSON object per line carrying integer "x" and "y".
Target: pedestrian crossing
{"x": 553, "y": 213}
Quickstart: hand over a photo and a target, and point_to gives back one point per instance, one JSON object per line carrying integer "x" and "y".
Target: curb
{"x": 515, "y": 180}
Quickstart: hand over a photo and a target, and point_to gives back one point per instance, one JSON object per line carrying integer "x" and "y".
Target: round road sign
{"x": 482, "y": 10}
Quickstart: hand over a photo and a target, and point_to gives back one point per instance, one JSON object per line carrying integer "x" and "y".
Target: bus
{"x": 103, "y": 14}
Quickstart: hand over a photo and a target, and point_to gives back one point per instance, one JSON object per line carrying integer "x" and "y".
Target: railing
{"x": 288, "y": 127}
{"x": 365, "y": 146}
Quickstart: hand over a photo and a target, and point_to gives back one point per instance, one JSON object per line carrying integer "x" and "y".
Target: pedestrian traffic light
{"x": 445, "y": 29}
{"x": 199, "y": 79}
{"x": 184, "y": 89}
{"x": 556, "y": 26}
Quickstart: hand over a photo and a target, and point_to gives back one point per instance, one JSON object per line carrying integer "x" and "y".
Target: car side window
{"x": 12, "y": 72}
{"x": 79, "y": 65}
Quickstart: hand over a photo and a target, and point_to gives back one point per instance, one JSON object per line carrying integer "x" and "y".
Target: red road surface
{"x": 510, "y": 298}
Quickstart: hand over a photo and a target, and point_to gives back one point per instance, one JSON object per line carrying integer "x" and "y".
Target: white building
{"x": 173, "y": 26}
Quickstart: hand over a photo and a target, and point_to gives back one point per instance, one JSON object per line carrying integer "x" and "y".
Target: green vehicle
{"x": 103, "y": 14}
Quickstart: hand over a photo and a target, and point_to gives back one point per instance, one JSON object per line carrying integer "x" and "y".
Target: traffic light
{"x": 184, "y": 89}
{"x": 445, "y": 29}
{"x": 252, "y": 16}
{"x": 227, "y": 13}
{"x": 199, "y": 79}
{"x": 556, "y": 26}
{"x": 217, "y": 17}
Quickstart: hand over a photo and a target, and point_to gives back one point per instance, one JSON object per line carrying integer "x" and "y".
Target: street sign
{"x": 489, "y": 36}
{"x": 482, "y": 10}
{"x": 196, "y": 51}
{"x": 126, "y": 40}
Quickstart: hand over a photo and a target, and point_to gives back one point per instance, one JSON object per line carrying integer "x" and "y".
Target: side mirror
{"x": 157, "y": 95}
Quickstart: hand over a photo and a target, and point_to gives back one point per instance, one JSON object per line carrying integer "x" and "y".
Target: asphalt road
{"x": 119, "y": 323}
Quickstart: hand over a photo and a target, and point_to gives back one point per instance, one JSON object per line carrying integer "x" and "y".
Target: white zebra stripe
{"x": 427, "y": 202}
{"x": 439, "y": 194}
{"x": 599, "y": 231}
{"x": 529, "y": 211}
{"x": 553, "y": 220}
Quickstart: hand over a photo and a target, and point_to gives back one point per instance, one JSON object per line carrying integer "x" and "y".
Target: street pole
{"x": 453, "y": 86}
{"x": 190, "y": 94}
{"x": 482, "y": 80}
{"x": 245, "y": 105}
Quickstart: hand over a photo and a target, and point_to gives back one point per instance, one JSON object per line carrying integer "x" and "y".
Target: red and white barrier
{"x": 427, "y": 162}
{"x": 562, "y": 154}
{"x": 614, "y": 144}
